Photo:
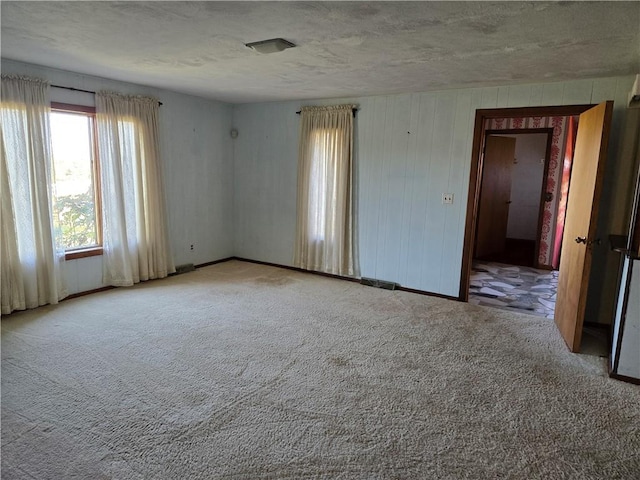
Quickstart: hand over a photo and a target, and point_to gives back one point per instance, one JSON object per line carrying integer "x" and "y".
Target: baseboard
{"x": 349, "y": 279}
{"x": 200, "y": 265}
{"x": 109, "y": 287}
{"x": 88, "y": 292}
{"x": 429, "y": 294}
{"x": 297, "y": 269}
{"x": 624, "y": 378}
{"x": 288, "y": 267}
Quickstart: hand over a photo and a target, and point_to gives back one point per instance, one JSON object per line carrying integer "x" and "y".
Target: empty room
{"x": 355, "y": 240}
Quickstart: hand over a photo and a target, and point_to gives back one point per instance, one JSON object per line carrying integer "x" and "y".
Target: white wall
{"x": 197, "y": 159}
{"x": 630, "y": 347}
{"x": 410, "y": 149}
{"x": 238, "y": 197}
{"x": 526, "y": 185}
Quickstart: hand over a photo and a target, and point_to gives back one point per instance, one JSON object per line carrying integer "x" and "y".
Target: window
{"x": 325, "y": 226}
{"x": 318, "y": 184}
{"x": 75, "y": 180}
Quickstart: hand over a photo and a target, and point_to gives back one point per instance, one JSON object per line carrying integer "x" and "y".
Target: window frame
{"x": 83, "y": 252}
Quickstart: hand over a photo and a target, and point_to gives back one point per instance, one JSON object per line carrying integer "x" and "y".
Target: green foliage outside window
{"x": 76, "y": 220}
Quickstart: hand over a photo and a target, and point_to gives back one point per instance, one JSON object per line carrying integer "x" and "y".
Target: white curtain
{"x": 30, "y": 262}
{"x": 135, "y": 240}
{"x": 324, "y": 232}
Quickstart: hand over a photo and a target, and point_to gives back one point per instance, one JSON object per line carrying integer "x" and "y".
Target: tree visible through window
{"x": 76, "y": 208}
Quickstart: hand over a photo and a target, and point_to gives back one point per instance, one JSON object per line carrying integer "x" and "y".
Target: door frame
{"x": 475, "y": 174}
{"x": 545, "y": 174}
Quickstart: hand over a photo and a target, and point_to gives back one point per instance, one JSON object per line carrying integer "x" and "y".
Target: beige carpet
{"x": 245, "y": 371}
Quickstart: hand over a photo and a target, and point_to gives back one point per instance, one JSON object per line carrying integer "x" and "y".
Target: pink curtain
{"x": 572, "y": 128}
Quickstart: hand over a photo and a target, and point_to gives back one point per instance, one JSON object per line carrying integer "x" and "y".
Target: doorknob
{"x": 590, "y": 242}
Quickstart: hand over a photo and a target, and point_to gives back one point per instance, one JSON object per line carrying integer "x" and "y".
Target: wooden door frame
{"x": 475, "y": 174}
{"x": 545, "y": 174}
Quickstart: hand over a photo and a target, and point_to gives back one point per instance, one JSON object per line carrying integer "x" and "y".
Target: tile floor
{"x": 513, "y": 287}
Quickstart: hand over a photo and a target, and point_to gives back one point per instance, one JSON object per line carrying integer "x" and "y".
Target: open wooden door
{"x": 495, "y": 195}
{"x": 580, "y": 224}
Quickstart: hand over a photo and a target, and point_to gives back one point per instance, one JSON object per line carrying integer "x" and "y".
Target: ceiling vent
{"x": 271, "y": 46}
{"x": 634, "y": 95}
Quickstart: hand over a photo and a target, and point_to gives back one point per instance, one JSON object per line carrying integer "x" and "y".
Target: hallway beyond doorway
{"x": 514, "y": 288}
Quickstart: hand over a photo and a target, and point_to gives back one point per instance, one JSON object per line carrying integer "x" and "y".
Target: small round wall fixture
{"x": 234, "y": 133}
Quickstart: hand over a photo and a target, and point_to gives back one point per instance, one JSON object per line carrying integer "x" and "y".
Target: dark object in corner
{"x": 187, "y": 267}
{"x": 372, "y": 282}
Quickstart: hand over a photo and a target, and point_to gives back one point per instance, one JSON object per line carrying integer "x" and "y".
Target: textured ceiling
{"x": 344, "y": 48}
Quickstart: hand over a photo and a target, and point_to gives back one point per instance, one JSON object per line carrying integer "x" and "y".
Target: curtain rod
{"x": 80, "y": 90}
{"x": 354, "y": 110}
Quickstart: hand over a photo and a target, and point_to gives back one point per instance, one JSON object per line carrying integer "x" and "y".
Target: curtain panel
{"x": 135, "y": 239}
{"x": 325, "y": 219}
{"x": 30, "y": 261}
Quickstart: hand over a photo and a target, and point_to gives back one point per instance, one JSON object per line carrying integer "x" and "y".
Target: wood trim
{"x": 339, "y": 277}
{"x": 624, "y": 378}
{"x": 296, "y": 269}
{"x": 545, "y": 177}
{"x": 276, "y": 265}
{"x": 109, "y": 287}
{"x": 95, "y": 167}
{"x": 72, "y": 108}
{"x": 207, "y": 264}
{"x": 551, "y": 111}
{"x": 83, "y": 253}
{"x": 428, "y": 294}
{"x": 518, "y": 131}
{"x": 88, "y": 292}
{"x": 475, "y": 174}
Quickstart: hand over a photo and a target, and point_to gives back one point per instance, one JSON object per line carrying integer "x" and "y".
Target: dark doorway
{"x": 513, "y": 192}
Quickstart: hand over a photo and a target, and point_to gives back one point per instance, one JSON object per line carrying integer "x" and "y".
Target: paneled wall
{"x": 411, "y": 149}
{"x": 238, "y": 197}
{"x": 197, "y": 154}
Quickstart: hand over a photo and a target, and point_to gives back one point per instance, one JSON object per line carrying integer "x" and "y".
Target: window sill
{"x": 85, "y": 252}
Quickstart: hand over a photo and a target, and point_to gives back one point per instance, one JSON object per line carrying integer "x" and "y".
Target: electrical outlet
{"x": 447, "y": 198}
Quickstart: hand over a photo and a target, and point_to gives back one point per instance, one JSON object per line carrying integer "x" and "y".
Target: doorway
{"x": 506, "y": 269}
{"x": 522, "y": 274}
{"x": 494, "y": 119}
{"x": 581, "y": 207}
{"x": 513, "y": 193}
